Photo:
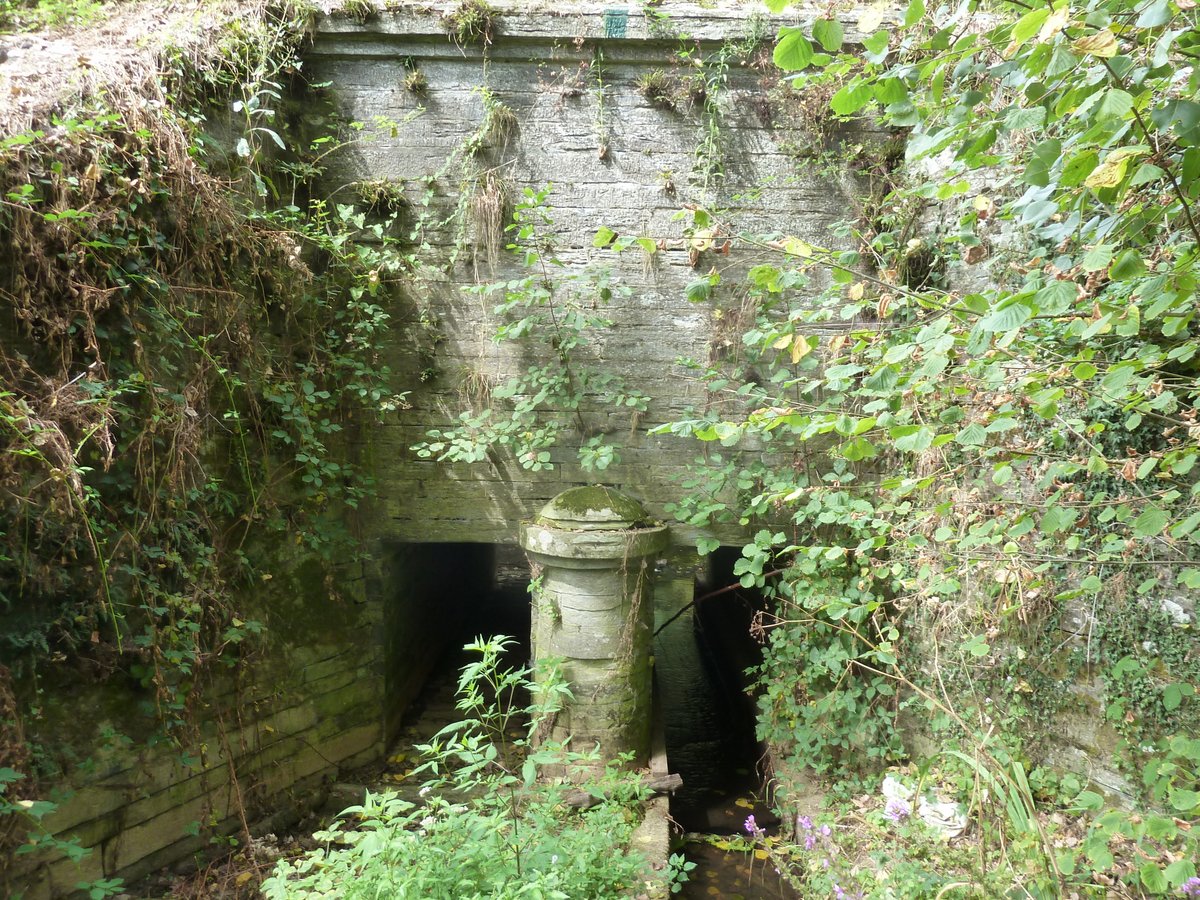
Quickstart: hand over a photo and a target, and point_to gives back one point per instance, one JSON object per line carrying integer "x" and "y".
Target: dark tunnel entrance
{"x": 445, "y": 595}
{"x": 706, "y": 704}
{"x": 442, "y": 596}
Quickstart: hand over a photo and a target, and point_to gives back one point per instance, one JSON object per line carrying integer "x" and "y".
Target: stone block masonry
{"x": 616, "y": 158}
{"x": 593, "y": 609}
{"x": 308, "y": 704}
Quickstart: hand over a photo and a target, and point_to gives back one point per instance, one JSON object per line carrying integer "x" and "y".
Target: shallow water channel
{"x": 708, "y": 718}
{"x": 707, "y": 721}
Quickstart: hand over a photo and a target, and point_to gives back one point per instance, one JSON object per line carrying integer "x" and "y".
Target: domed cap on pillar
{"x": 593, "y": 508}
{"x": 592, "y": 526}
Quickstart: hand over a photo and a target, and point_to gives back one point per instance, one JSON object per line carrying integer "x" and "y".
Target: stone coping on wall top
{"x": 589, "y": 21}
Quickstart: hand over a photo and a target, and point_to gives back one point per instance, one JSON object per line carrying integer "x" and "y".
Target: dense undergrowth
{"x": 994, "y": 458}
{"x": 972, "y": 497}
{"x": 492, "y": 818}
{"x": 187, "y": 335}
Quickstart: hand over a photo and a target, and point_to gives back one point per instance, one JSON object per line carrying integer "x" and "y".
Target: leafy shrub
{"x": 487, "y": 825}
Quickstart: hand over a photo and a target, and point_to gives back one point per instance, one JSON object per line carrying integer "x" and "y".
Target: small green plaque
{"x": 615, "y": 22}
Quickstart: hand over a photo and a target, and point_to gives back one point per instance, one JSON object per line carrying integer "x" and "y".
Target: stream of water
{"x": 700, "y": 658}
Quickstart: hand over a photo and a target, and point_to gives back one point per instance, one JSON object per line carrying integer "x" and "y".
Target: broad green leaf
{"x": 972, "y": 435}
{"x": 1184, "y": 801}
{"x": 828, "y": 33}
{"x": 1079, "y": 167}
{"x": 1097, "y": 258}
{"x": 1038, "y": 212}
{"x": 1128, "y": 265}
{"x": 699, "y": 290}
{"x": 890, "y": 90}
{"x": 912, "y": 438}
{"x": 1156, "y": 14}
{"x": 1006, "y": 318}
{"x": 1114, "y": 104}
{"x": 604, "y": 237}
{"x": 1147, "y": 173}
{"x": 1152, "y": 878}
{"x": 1182, "y": 530}
{"x": 883, "y": 380}
{"x": 1172, "y": 697}
{"x": 1179, "y": 871}
{"x": 977, "y": 646}
{"x": 1057, "y": 518}
{"x": 1027, "y": 26}
{"x": 876, "y": 44}
{"x": 1056, "y": 297}
{"x": 859, "y": 448}
{"x": 793, "y": 50}
{"x": 851, "y": 98}
{"x": 1183, "y": 117}
{"x": 1151, "y": 522}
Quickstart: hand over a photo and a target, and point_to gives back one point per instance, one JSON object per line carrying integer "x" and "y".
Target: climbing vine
{"x": 991, "y": 451}
{"x": 191, "y": 332}
{"x": 556, "y": 313}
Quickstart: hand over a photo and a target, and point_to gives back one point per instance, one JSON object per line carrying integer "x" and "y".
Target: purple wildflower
{"x": 1191, "y": 887}
{"x": 838, "y": 892}
{"x": 896, "y": 811}
{"x": 751, "y": 825}
{"x": 805, "y": 822}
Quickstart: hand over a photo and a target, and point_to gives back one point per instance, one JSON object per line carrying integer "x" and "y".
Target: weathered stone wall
{"x": 615, "y": 158}
{"x": 308, "y": 703}
{"x": 347, "y": 650}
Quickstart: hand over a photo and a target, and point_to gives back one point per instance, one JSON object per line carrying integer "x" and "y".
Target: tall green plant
{"x": 488, "y": 823}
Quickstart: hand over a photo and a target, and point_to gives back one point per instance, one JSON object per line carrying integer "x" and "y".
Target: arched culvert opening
{"x": 703, "y": 650}
{"x": 442, "y": 596}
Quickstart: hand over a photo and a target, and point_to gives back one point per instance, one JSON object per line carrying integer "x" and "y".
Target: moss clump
{"x": 472, "y": 22}
{"x": 658, "y": 87}
{"x": 360, "y": 11}
{"x": 382, "y": 195}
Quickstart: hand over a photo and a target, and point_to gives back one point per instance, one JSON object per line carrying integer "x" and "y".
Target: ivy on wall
{"x": 189, "y": 331}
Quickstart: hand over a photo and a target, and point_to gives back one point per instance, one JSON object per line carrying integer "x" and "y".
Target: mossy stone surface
{"x": 592, "y": 508}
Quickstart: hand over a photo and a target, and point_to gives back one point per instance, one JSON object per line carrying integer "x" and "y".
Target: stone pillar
{"x": 593, "y": 609}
